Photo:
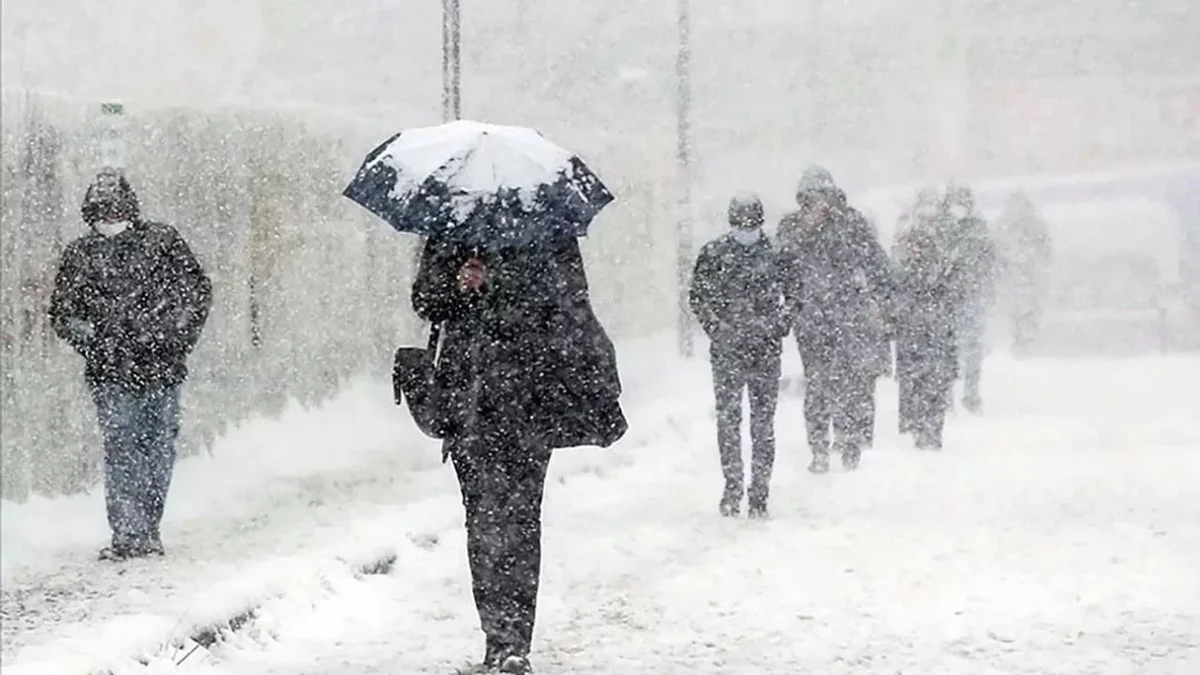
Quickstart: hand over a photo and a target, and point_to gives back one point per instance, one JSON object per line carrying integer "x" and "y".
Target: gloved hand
{"x": 724, "y": 333}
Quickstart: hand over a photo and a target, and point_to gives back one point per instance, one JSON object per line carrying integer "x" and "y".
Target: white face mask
{"x": 746, "y": 237}
{"x": 112, "y": 229}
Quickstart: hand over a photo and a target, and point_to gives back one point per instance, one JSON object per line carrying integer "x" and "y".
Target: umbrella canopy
{"x": 481, "y": 183}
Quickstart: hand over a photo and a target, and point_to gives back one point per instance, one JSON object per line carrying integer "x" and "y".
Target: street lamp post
{"x": 451, "y": 61}
{"x": 683, "y": 238}
{"x": 451, "y": 75}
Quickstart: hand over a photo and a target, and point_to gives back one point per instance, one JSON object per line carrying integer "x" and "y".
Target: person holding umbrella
{"x": 524, "y": 366}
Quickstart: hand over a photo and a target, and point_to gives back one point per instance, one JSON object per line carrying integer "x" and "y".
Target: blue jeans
{"x": 139, "y": 430}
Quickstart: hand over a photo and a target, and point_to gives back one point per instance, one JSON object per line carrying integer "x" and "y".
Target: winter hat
{"x": 746, "y": 211}
{"x": 816, "y": 181}
{"x": 109, "y": 197}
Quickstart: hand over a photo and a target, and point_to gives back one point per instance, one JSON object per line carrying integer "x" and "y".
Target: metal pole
{"x": 451, "y": 61}
{"x": 816, "y": 89}
{"x": 451, "y": 77}
{"x": 683, "y": 250}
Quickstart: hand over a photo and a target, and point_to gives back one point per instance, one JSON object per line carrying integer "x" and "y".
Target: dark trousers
{"x": 927, "y": 365}
{"x": 734, "y": 372}
{"x": 839, "y": 403}
{"x": 869, "y": 422}
{"x": 905, "y": 399}
{"x": 925, "y": 397}
{"x": 502, "y": 482}
{"x": 1026, "y": 322}
{"x": 970, "y": 352}
{"x": 139, "y": 430}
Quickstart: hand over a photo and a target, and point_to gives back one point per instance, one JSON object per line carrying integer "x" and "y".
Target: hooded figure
{"x": 837, "y": 281}
{"x": 524, "y": 368}
{"x": 131, "y": 299}
{"x": 970, "y": 248}
{"x": 1025, "y": 242}
{"x": 737, "y": 298}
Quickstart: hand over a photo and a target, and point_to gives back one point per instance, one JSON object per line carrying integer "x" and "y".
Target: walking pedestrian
{"x": 737, "y": 297}
{"x": 524, "y": 368}
{"x": 835, "y": 272}
{"x": 926, "y": 210}
{"x": 1025, "y": 239}
{"x": 926, "y": 346}
{"x": 969, "y": 246}
{"x": 131, "y": 298}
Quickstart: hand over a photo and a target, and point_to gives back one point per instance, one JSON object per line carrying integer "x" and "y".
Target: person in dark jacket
{"x": 835, "y": 275}
{"x": 926, "y": 347}
{"x": 1024, "y": 237}
{"x": 132, "y": 300}
{"x": 972, "y": 250}
{"x": 737, "y": 297}
{"x": 524, "y": 368}
{"x": 926, "y": 212}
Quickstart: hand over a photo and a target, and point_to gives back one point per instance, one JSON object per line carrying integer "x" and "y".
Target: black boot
{"x": 115, "y": 553}
{"x": 850, "y": 457}
{"x": 731, "y": 503}
{"x": 973, "y": 403}
{"x": 928, "y": 440}
{"x": 123, "y": 547}
{"x": 493, "y": 652}
{"x": 515, "y": 664}
{"x": 820, "y": 463}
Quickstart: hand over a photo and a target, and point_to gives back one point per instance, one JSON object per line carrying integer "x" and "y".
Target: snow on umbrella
{"x": 485, "y": 184}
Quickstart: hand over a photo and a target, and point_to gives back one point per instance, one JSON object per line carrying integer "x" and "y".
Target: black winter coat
{"x": 838, "y": 283}
{"x": 132, "y": 305}
{"x": 524, "y": 357}
{"x": 737, "y": 296}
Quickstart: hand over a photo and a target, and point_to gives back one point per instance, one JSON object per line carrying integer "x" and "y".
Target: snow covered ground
{"x": 1059, "y": 534}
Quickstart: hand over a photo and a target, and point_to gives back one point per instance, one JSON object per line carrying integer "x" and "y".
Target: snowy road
{"x": 1060, "y": 534}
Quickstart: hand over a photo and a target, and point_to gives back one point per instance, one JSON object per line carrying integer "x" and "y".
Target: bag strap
{"x": 435, "y": 336}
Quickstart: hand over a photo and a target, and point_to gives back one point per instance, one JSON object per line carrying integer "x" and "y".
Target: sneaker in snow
{"x": 820, "y": 464}
{"x": 758, "y": 512}
{"x": 516, "y": 665}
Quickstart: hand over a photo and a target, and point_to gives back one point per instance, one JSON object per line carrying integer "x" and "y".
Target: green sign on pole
{"x": 112, "y": 137}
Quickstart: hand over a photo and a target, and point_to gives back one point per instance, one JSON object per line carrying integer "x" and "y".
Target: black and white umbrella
{"x": 486, "y": 184}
